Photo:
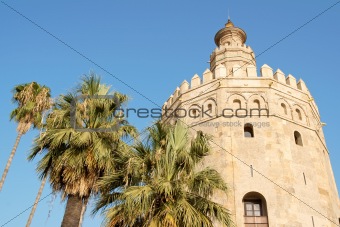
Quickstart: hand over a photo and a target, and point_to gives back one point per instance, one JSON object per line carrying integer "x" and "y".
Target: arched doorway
{"x": 255, "y": 210}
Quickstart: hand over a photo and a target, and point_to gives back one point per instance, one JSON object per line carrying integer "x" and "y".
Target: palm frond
{"x": 159, "y": 184}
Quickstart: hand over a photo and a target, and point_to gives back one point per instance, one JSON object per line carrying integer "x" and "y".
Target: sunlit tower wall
{"x": 267, "y": 138}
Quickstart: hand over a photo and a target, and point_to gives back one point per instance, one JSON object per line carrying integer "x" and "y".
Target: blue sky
{"x": 152, "y": 46}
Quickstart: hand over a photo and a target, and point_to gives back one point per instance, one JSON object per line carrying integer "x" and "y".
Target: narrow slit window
{"x": 298, "y": 139}
{"x": 284, "y": 108}
{"x": 299, "y": 114}
{"x": 248, "y": 130}
{"x": 237, "y": 104}
{"x": 194, "y": 113}
{"x": 257, "y": 103}
{"x": 210, "y": 108}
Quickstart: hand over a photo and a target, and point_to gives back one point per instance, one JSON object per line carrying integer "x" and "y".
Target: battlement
{"x": 221, "y": 72}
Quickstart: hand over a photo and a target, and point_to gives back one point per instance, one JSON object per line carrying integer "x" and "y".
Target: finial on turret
{"x": 229, "y": 24}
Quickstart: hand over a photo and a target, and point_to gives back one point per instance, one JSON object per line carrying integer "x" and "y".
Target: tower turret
{"x": 231, "y": 49}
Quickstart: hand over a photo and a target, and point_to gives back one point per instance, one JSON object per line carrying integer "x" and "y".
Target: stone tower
{"x": 267, "y": 138}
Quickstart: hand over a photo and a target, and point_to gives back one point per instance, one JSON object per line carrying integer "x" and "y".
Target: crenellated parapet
{"x": 277, "y": 80}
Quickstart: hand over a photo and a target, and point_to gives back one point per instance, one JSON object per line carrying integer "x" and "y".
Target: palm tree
{"x": 32, "y": 100}
{"x": 160, "y": 183}
{"x": 78, "y": 152}
{"x": 37, "y": 199}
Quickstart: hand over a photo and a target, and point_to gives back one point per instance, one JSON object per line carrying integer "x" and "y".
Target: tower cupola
{"x": 230, "y": 34}
{"x": 232, "y": 52}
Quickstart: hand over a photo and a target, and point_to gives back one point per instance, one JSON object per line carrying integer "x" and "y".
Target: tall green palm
{"x": 32, "y": 100}
{"x": 74, "y": 159}
{"x": 161, "y": 184}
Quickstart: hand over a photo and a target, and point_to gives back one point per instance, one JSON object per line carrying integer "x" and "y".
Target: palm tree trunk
{"x": 83, "y": 209}
{"x": 72, "y": 211}
{"x": 10, "y": 159}
{"x": 37, "y": 199}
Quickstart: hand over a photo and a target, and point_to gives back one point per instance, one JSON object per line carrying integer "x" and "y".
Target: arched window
{"x": 255, "y": 209}
{"x": 298, "y": 138}
{"x": 284, "y": 108}
{"x": 237, "y": 104}
{"x": 210, "y": 108}
{"x": 257, "y": 103}
{"x": 195, "y": 113}
{"x": 299, "y": 114}
{"x": 248, "y": 130}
